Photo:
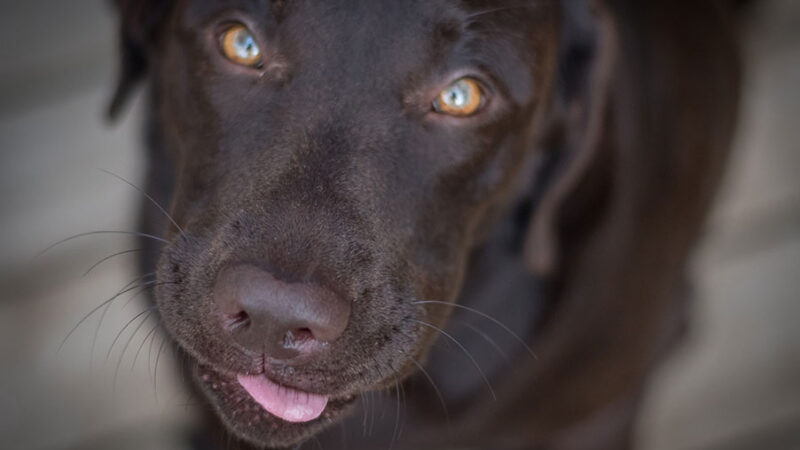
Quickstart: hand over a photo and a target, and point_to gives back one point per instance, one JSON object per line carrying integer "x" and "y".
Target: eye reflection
{"x": 240, "y": 46}
{"x": 462, "y": 98}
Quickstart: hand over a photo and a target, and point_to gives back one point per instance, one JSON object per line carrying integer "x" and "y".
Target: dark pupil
{"x": 457, "y": 96}
{"x": 246, "y": 44}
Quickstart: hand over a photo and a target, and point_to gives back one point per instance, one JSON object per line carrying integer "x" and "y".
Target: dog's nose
{"x": 282, "y": 320}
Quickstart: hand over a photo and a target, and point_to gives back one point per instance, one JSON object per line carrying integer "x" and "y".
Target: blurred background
{"x": 734, "y": 384}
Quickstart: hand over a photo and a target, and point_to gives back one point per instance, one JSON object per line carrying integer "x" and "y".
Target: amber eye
{"x": 462, "y": 98}
{"x": 239, "y": 45}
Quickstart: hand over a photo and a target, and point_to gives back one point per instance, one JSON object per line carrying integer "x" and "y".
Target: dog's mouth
{"x": 289, "y": 404}
{"x": 264, "y": 411}
{"x": 298, "y": 354}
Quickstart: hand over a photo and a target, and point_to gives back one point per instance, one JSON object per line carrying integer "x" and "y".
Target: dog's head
{"x": 335, "y": 163}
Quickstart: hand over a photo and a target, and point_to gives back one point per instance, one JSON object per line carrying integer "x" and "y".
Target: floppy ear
{"x": 644, "y": 144}
{"x": 139, "y": 21}
{"x": 579, "y": 118}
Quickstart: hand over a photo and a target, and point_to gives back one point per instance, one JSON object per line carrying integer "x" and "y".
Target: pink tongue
{"x": 289, "y": 404}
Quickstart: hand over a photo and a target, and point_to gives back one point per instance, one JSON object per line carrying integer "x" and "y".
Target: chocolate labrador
{"x": 427, "y": 224}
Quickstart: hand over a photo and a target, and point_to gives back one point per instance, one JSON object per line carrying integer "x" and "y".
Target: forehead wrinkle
{"x": 504, "y": 15}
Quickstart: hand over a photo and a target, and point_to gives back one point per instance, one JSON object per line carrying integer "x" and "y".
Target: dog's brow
{"x": 198, "y": 13}
{"x": 277, "y": 7}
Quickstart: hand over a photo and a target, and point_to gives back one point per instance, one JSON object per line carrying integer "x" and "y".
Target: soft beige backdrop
{"x": 734, "y": 385}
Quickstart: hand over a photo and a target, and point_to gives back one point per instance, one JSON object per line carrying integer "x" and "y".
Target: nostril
{"x": 298, "y": 338}
{"x": 303, "y": 333}
{"x": 236, "y": 321}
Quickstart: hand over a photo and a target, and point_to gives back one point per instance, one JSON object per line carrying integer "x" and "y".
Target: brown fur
{"x": 566, "y": 209}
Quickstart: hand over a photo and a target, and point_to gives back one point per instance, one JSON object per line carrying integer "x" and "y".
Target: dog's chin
{"x": 249, "y": 421}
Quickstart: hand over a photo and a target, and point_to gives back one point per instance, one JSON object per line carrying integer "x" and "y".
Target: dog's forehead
{"x": 362, "y": 32}
{"x": 365, "y": 14}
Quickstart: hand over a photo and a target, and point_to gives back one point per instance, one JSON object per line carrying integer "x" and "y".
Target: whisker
{"x": 127, "y": 344}
{"x": 435, "y": 388}
{"x": 141, "y": 345}
{"x": 485, "y": 337}
{"x": 374, "y": 403}
{"x": 385, "y": 397}
{"x": 103, "y": 316}
{"x": 365, "y": 407}
{"x": 137, "y": 293}
{"x": 378, "y": 367}
{"x": 98, "y": 232}
{"x": 466, "y": 352}
{"x": 498, "y": 9}
{"x": 373, "y": 407}
{"x": 405, "y": 408}
{"x": 485, "y": 316}
{"x": 96, "y": 333}
{"x": 143, "y": 288}
{"x": 90, "y": 313}
{"x": 114, "y": 342}
{"x": 364, "y": 410}
{"x": 150, "y": 353}
{"x": 155, "y": 370}
{"x": 397, "y": 412}
{"x": 157, "y": 205}
{"x": 138, "y": 279}
{"x": 109, "y": 257}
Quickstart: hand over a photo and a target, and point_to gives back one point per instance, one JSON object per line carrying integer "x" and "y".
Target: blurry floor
{"x": 734, "y": 385}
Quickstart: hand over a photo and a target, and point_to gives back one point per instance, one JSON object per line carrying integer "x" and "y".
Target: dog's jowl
{"x": 426, "y": 223}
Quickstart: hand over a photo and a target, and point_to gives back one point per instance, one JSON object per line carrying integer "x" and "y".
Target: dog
{"x": 480, "y": 210}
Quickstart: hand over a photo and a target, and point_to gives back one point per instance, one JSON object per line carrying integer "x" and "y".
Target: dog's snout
{"x": 282, "y": 320}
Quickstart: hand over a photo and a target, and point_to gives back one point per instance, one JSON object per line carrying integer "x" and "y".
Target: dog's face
{"x": 336, "y": 162}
